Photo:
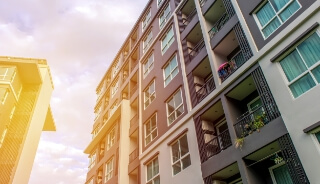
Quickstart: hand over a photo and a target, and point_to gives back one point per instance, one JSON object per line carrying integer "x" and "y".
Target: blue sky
{"x": 79, "y": 39}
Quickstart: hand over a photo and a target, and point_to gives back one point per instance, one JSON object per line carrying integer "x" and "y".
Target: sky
{"x": 79, "y": 39}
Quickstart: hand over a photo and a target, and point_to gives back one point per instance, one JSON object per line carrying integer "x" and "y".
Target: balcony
{"x": 252, "y": 104}
{"x": 205, "y": 89}
{"x": 218, "y": 25}
{"x": 186, "y": 14}
{"x": 193, "y": 44}
{"x": 212, "y": 132}
{"x": 218, "y": 143}
{"x": 228, "y": 68}
{"x": 194, "y": 51}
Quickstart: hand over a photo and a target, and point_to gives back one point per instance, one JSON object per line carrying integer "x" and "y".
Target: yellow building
{"x": 25, "y": 91}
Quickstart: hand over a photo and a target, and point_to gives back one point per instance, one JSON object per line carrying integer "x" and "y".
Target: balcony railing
{"x": 251, "y": 121}
{"x": 228, "y": 68}
{"x": 193, "y": 52}
{"x": 133, "y": 155}
{"x": 218, "y": 143}
{"x": 218, "y": 25}
{"x": 202, "y": 2}
{"x": 186, "y": 21}
{"x": 205, "y": 89}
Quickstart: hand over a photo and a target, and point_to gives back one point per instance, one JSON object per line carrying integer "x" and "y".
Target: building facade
{"x": 212, "y": 91}
{"x": 25, "y": 93}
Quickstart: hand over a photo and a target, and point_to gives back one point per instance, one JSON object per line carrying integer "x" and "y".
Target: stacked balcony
{"x": 187, "y": 15}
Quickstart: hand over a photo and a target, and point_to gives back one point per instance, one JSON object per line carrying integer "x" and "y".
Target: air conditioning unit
{"x": 218, "y": 182}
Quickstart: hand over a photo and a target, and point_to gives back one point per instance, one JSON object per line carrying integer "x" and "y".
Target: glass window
{"x": 159, "y": 2}
{"x": 180, "y": 155}
{"x": 301, "y": 66}
{"x": 151, "y": 130}
{"x": 274, "y": 13}
{"x": 92, "y": 160}
{"x": 175, "y": 107}
{"x": 280, "y": 174}
{"x": 147, "y": 42}
{"x": 7, "y": 73}
{"x": 170, "y": 70}
{"x": 153, "y": 175}
{"x": 109, "y": 170}
{"x": 318, "y": 136}
{"x": 167, "y": 40}
{"x": 146, "y": 20}
{"x": 111, "y": 138}
{"x": 164, "y": 16}
{"x": 148, "y": 65}
{"x": 3, "y": 135}
{"x": 149, "y": 94}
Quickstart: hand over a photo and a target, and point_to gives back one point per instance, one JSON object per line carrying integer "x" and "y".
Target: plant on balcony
{"x": 238, "y": 142}
{"x": 277, "y": 159}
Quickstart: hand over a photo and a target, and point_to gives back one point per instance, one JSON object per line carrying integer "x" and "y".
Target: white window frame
{"x": 146, "y": 20}
{"x": 166, "y": 42}
{"x": 3, "y": 76}
{"x": 308, "y": 71}
{"x": 109, "y": 170}
{"x": 180, "y": 157}
{"x": 151, "y": 94}
{"x": 155, "y": 129}
{"x": 276, "y": 16}
{"x": 159, "y": 2}
{"x": 165, "y": 14}
{"x": 5, "y": 96}
{"x": 170, "y": 76}
{"x": 148, "y": 65}
{"x": 92, "y": 160}
{"x": 151, "y": 180}
{"x": 176, "y": 106}
{"x": 111, "y": 138}
{"x": 147, "y": 42}
{"x": 271, "y": 171}
{"x": 3, "y": 135}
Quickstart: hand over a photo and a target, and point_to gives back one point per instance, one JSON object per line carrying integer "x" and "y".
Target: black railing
{"x": 218, "y": 143}
{"x": 231, "y": 66}
{"x": 205, "y": 89}
{"x": 251, "y": 121}
{"x": 186, "y": 21}
{"x": 218, "y": 25}
{"x": 193, "y": 52}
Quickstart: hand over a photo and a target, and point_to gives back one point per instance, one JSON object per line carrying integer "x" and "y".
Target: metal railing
{"x": 133, "y": 155}
{"x": 205, "y": 89}
{"x": 202, "y": 2}
{"x": 218, "y": 25}
{"x": 186, "y": 21}
{"x": 196, "y": 49}
{"x": 231, "y": 66}
{"x": 218, "y": 143}
{"x": 250, "y": 121}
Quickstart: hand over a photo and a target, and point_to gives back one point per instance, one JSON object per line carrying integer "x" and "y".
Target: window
{"x": 95, "y": 131}
{"x": 114, "y": 88}
{"x": 159, "y": 2}
{"x": 170, "y": 70}
{"x": 111, "y": 138}
{"x": 175, "y": 106}
{"x": 147, "y": 42}
{"x": 115, "y": 69}
{"x": 153, "y": 176}
{"x": 164, "y": 16}
{"x": 274, "y": 13}
{"x": 148, "y": 65}
{"x": 3, "y": 94}
{"x": 167, "y": 40}
{"x": 7, "y": 73}
{"x": 302, "y": 66}
{"x": 92, "y": 160}
{"x": 149, "y": 94}
{"x": 318, "y": 136}
{"x": 109, "y": 170}
{"x": 98, "y": 111}
{"x": 113, "y": 108}
{"x": 12, "y": 112}
{"x": 280, "y": 174}
{"x": 151, "y": 130}
{"x": 4, "y": 133}
{"x": 180, "y": 155}
{"x": 146, "y": 20}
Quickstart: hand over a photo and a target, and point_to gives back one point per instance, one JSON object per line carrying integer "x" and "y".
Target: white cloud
{"x": 79, "y": 39}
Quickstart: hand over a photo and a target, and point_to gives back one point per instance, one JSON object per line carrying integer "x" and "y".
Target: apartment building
{"x": 25, "y": 92}
{"x": 213, "y": 92}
